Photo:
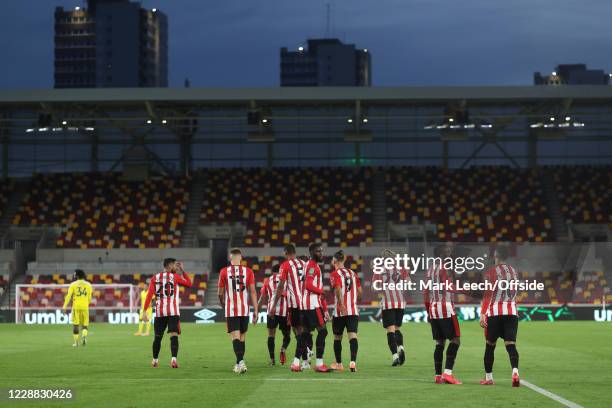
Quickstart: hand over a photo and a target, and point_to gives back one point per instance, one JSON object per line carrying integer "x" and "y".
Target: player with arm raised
{"x": 347, "y": 289}
{"x": 393, "y": 305}
{"x": 165, "y": 287}
{"x": 236, "y": 289}
{"x": 280, "y": 315}
{"x": 292, "y": 277}
{"x": 313, "y": 312}
{"x": 499, "y": 316}
{"x": 442, "y": 317}
{"x": 80, "y": 293}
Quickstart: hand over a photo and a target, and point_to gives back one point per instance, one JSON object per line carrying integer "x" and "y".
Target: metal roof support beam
{"x": 474, "y": 154}
{"x": 506, "y": 155}
{"x": 186, "y": 156}
{"x": 490, "y": 136}
{"x": 151, "y": 110}
{"x": 137, "y": 139}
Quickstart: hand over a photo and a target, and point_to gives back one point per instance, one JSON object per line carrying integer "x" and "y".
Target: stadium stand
{"x": 103, "y": 211}
{"x": 292, "y": 205}
{"x": 109, "y": 297}
{"x": 302, "y": 205}
{"x": 332, "y": 205}
{"x": 592, "y": 287}
{"x": 560, "y": 288}
{"x": 478, "y": 204}
{"x": 585, "y": 193}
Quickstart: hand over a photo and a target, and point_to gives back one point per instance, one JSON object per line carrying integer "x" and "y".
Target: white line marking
{"x": 551, "y": 395}
{"x": 325, "y": 378}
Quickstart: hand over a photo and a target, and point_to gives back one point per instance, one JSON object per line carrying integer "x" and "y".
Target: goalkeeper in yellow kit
{"x": 148, "y": 312}
{"x": 80, "y": 292}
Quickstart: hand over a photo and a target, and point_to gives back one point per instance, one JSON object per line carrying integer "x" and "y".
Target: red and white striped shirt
{"x": 292, "y": 272}
{"x": 438, "y": 299}
{"x": 269, "y": 288}
{"x": 313, "y": 286}
{"x": 235, "y": 279}
{"x": 348, "y": 282}
{"x": 392, "y": 298}
{"x": 500, "y": 302}
{"x": 165, "y": 286}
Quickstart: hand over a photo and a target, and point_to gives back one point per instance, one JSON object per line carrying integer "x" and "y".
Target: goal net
{"x": 42, "y": 304}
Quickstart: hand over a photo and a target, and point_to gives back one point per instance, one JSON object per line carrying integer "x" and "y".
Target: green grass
{"x": 571, "y": 359}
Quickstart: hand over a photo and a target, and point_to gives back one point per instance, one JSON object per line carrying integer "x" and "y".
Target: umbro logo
{"x": 205, "y": 316}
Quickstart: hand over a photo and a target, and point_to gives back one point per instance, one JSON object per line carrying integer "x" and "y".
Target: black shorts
{"x": 443, "y": 329}
{"x": 237, "y": 323}
{"x": 504, "y": 327}
{"x": 173, "y": 323}
{"x": 392, "y": 317}
{"x": 349, "y": 322}
{"x": 311, "y": 319}
{"x": 294, "y": 317}
{"x": 277, "y": 321}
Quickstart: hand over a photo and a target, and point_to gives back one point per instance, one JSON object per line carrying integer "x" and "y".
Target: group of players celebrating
{"x": 296, "y": 303}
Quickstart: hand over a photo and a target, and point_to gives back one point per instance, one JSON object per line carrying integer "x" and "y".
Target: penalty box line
{"x": 551, "y": 395}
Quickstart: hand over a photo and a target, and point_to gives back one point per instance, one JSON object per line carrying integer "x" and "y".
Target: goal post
{"x": 42, "y": 303}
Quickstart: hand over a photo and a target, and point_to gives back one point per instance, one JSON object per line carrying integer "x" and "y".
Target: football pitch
{"x": 571, "y": 360}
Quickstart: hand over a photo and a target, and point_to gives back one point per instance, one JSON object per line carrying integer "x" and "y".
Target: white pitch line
{"x": 246, "y": 377}
{"x": 551, "y": 395}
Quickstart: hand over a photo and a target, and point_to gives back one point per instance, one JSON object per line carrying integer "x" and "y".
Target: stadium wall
{"x": 413, "y": 314}
{"x": 7, "y": 259}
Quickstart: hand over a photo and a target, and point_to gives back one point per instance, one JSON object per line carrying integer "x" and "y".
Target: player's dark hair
{"x": 313, "y": 247}
{"x": 275, "y": 268}
{"x": 79, "y": 273}
{"x": 290, "y": 249}
{"x": 235, "y": 251}
{"x": 502, "y": 252}
{"x": 339, "y": 256}
{"x": 168, "y": 261}
{"x": 439, "y": 250}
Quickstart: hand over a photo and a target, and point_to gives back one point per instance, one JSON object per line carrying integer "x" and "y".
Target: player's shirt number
{"x": 81, "y": 292}
{"x": 237, "y": 283}
{"x": 166, "y": 290}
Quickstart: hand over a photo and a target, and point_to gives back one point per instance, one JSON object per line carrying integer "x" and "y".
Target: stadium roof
{"x": 305, "y": 95}
{"x": 213, "y": 125}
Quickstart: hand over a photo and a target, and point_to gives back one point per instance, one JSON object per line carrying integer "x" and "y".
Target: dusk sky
{"x": 413, "y": 42}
